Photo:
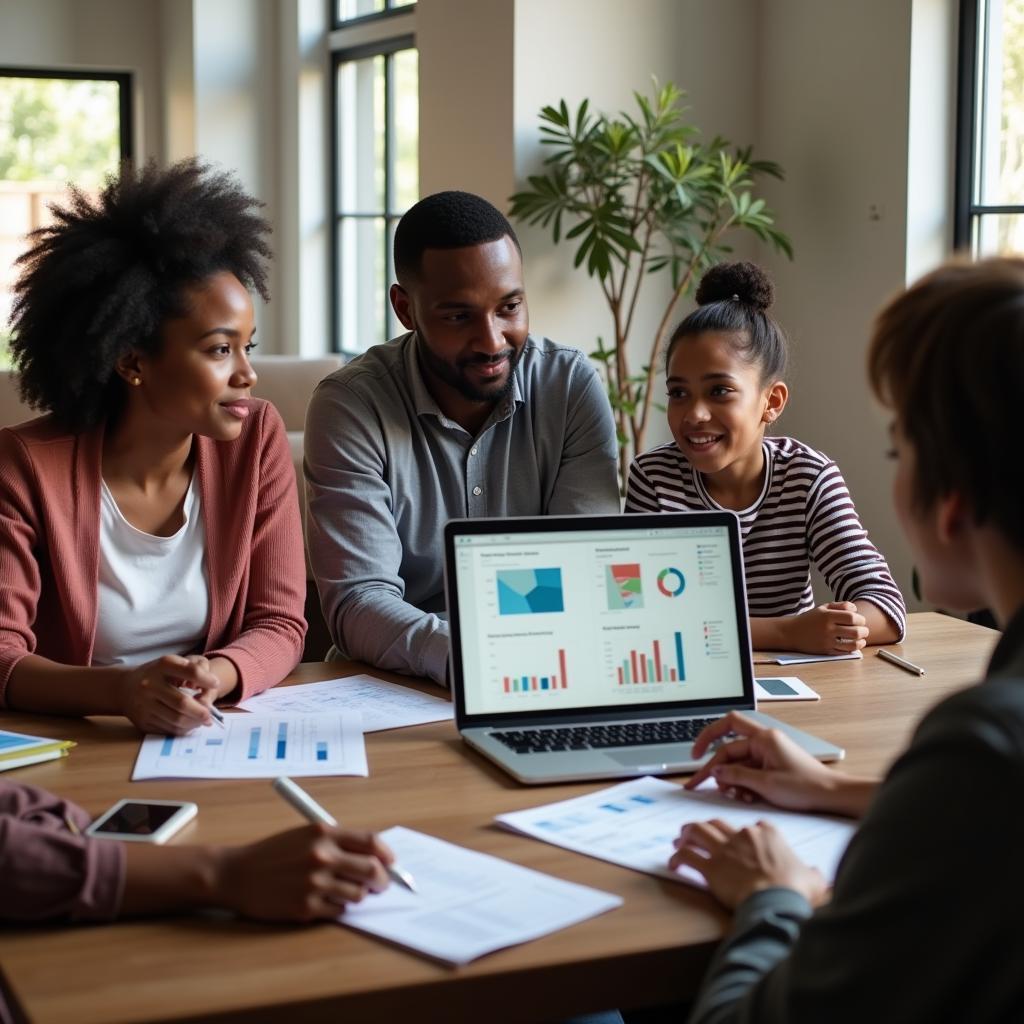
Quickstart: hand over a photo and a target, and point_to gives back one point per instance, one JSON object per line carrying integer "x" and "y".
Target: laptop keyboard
{"x": 598, "y": 737}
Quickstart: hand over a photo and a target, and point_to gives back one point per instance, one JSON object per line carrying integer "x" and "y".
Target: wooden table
{"x": 652, "y": 950}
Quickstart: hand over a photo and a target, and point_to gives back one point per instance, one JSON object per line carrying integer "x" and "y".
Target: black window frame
{"x": 390, "y": 10}
{"x": 967, "y": 209}
{"x": 385, "y": 48}
{"x": 125, "y": 105}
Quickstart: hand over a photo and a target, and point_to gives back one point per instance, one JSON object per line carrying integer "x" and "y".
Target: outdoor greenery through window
{"x": 54, "y": 129}
{"x": 347, "y": 10}
{"x": 991, "y": 188}
{"x": 376, "y": 168}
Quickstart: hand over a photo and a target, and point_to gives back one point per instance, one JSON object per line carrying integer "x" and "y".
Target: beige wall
{"x": 466, "y": 96}
{"x": 833, "y": 106}
{"x": 606, "y": 50}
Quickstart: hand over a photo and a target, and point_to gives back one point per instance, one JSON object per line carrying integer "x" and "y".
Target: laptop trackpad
{"x": 656, "y": 757}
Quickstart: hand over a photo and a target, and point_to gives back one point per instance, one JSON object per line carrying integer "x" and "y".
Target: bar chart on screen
{"x": 259, "y": 746}
{"x": 654, "y": 662}
{"x": 556, "y": 677}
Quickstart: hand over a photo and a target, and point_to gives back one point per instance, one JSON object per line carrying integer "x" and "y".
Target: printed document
{"x": 469, "y": 903}
{"x": 634, "y": 823}
{"x": 258, "y": 747}
{"x": 383, "y": 705}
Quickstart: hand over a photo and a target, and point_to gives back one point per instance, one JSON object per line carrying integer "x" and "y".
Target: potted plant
{"x": 639, "y": 195}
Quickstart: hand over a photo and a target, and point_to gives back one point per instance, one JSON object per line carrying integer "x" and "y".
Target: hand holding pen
{"x": 312, "y": 811}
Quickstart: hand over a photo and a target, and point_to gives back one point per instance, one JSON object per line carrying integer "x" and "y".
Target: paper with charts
{"x": 258, "y": 747}
{"x": 383, "y": 705}
{"x": 469, "y": 903}
{"x": 634, "y": 823}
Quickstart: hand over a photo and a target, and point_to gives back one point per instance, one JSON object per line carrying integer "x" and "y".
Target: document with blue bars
{"x": 255, "y": 746}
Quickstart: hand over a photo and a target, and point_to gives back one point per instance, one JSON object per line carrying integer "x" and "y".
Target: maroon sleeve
{"x": 47, "y": 870}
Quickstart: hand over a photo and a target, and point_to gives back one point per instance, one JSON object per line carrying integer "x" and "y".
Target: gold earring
{"x": 136, "y": 381}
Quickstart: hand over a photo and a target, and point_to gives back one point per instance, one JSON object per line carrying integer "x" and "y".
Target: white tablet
{"x": 783, "y": 688}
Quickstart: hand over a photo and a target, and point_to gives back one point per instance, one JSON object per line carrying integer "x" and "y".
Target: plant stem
{"x": 712, "y": 237}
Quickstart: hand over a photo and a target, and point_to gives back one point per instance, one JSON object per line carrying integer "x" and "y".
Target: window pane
{"x": 1001, "y": 156}
{"x": 395, "y": 328}
{"x": 402, "y": 3}
{"x": 362, "y": 283}
{"x": 361, "y": 136}
{"x": 52, "y": 131}
{"x": 999, "y": 234}
{"x": 358, "y": 8}
{"x": 406, "y": 130}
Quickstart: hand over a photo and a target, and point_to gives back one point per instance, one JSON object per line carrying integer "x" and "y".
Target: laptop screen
{"x": 559, "y": 619}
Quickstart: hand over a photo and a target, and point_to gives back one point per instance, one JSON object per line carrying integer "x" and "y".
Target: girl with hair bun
{"x": 150, "y": 544}
{"x": 724, "y": 372}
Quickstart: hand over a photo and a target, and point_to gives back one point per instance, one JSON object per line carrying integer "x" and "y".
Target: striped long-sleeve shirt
{"x": 803, "y": 516}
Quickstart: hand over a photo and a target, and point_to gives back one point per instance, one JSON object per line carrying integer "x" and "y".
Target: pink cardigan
{"x": 49, "y": 547}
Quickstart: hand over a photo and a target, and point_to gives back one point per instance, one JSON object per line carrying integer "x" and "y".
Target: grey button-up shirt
{"x": 385, "y": 468}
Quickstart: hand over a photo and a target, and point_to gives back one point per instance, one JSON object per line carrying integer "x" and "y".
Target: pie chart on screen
{"x": 671, "y": 582}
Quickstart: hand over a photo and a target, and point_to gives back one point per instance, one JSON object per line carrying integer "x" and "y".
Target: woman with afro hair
{"x": 150, "y": 544}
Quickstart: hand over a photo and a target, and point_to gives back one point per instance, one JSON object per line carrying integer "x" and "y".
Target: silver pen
{"x": 215, "y": 713}
{"x": 312, "y": 811}
{"x": 907, "y": 666}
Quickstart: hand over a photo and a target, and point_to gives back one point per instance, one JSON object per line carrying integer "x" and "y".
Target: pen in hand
{"x": 215, "y": 713}
{"x": 312, "y": 811}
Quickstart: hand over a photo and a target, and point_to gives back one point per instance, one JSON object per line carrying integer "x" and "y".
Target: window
{"x": 55, "y": 127}
{"x": 375, "y": 175}
{"x": 990, "y": 144}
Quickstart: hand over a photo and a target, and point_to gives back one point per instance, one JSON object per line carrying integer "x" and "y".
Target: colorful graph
{"x": 623, "y": 584}
{"x": 671, "y": 582}
{"x": 642, "y": 667}
{"x": 533, "y": 683}
{"x": 529, "y": 591}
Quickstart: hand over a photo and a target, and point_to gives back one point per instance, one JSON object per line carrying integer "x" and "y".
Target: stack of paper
{"x": 18, "y": 749}
{"x": 469, "y": 903}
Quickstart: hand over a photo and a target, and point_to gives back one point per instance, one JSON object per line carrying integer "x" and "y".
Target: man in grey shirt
{"x": 466, "y": 415}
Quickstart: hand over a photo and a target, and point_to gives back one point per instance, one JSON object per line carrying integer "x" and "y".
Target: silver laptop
{"x": 599, "y": 646}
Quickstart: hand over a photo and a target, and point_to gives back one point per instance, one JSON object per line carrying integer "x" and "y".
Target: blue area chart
{"x": 530, "y": 591}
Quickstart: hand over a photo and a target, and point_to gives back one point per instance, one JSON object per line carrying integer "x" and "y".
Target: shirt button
{"x": 478, "y": 491}
{"x": 472, "y": 451}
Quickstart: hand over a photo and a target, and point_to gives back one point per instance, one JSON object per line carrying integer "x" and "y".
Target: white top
{"x": 154, "y": 598}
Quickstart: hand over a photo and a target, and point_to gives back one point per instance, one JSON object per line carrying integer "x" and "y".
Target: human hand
{"x": 304, "y": 874}
{"x": 152, "y": 695}
{"x": 736, "y": 864}
{"x": 763, "y": 762}
{"x": 833, "y": 628}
